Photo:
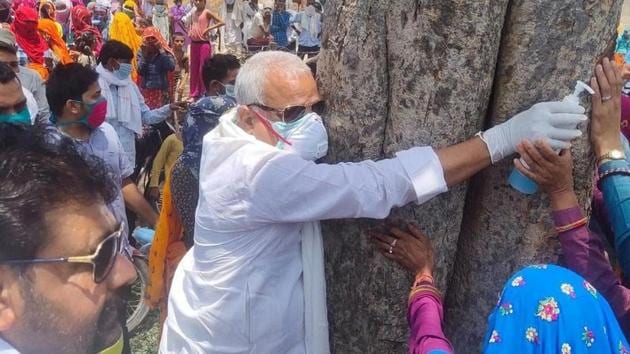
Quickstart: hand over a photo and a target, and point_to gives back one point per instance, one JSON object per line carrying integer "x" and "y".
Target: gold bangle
{"x": 571, "y": 226}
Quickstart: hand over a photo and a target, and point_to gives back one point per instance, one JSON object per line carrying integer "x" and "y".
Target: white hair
{"x": 254, "y": 74}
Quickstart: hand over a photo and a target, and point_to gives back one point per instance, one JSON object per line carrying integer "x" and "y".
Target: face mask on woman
{"x": 307, "y": 135}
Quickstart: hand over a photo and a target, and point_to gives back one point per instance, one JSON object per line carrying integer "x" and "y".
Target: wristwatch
{"x": 611, "y": 155}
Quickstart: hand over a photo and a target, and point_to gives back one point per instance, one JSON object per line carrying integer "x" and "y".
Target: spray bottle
{"x": 521, "y": 182}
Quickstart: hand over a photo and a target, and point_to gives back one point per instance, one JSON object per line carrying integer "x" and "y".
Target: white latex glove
{"x": 555, "y": 122}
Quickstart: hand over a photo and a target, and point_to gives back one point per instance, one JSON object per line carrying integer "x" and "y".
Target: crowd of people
{"x": 237, "y": 264}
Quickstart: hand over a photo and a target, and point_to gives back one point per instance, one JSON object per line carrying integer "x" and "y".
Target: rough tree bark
{"x": 402, "y": 73}
{"x": 546, "y": 46}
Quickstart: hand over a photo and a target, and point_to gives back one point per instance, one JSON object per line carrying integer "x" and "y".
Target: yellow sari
{"x": 167, "y": 250}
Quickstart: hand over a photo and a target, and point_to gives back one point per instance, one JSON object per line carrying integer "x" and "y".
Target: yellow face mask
{"x": 116, "y": 348}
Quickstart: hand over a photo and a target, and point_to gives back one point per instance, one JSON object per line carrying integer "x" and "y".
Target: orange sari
{"x": 167, "y": 250}
{"x": 56, "y": 43}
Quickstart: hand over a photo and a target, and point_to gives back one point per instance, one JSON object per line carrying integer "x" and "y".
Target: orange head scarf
{"x": 56, "y": 43}
{"x": 153, "y": 32}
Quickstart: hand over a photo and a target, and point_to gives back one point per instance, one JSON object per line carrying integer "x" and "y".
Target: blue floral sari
{"x": 548, "y": 309}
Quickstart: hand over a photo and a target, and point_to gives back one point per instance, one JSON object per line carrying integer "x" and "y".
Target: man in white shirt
{"x": 232, "y": 14}
{"x": 308, "y": 25}
{"x": 240, "y": 288}
{"x": 259, "y": 31}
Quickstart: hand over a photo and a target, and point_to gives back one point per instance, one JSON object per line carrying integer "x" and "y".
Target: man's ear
{"x": 246, "y": 119}
{"x": 110, "y": 65}
{"x": 8, "y": 287}
{"x": 73, "y": 107}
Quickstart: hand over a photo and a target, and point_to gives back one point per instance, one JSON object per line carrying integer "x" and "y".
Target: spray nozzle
{"x": 580, "y": 87}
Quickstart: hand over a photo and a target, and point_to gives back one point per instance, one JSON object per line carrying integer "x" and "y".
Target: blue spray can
{"x": 524, "y": 184}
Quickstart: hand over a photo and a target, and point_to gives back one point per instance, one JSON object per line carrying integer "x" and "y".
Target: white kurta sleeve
{"x": 289, "y": 189}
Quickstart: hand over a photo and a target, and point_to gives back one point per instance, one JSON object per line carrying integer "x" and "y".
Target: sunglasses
{"x": 294, "y": 113}
{"x": 102, "y": 260}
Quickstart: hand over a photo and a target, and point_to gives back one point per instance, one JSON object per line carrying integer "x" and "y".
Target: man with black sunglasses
{"x": 249, "y": 284}
{"x": 60, "y": 247}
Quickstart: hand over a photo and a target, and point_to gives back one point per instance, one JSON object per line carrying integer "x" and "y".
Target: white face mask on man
{"x": 307, "y": 135}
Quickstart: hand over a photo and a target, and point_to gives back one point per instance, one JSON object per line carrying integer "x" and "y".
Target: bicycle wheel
{"x": 137, "y": 307}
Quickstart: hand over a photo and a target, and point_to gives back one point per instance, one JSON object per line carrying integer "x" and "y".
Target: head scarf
{"x": 62, "y": 15}
{"x": 202, "y": 117}
{"x": 129, "y": 7}
{"x": 548, "y": 309}
{"x": 24, "y": 27}
{"x": 123, "y": 30}
{"x": 45, "y": 5}
{"x": 152, "y": 32}
{"x": 107, "y": 4}
{"x": 57, "y": 44}
{"x": 5, "y": 11}
{"x": 26, "y": 35}
{"x": 27, "y": 3}
{"x": 82, "y": 24}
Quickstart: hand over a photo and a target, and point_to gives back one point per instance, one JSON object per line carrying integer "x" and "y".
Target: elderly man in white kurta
{"x": 240, "y": 288}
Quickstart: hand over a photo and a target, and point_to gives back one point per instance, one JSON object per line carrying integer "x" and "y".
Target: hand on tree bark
{"x": 551, "y": 171}
{"x": 411, "y": 249}
{"x": 606, "y": 125}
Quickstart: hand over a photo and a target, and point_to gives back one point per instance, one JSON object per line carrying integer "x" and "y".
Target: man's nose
{"x": 123, "y": 273}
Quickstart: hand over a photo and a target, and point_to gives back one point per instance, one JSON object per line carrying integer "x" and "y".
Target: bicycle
{"x": 137, "y": 307}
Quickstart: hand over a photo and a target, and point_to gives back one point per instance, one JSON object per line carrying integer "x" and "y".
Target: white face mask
{"x": 307, "y": 135}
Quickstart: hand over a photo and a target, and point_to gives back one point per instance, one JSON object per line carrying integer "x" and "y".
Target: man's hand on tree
{"x": 554, "y": 122}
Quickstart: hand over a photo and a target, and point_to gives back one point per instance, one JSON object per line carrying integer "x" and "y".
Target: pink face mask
{"x": 97, "y": 112}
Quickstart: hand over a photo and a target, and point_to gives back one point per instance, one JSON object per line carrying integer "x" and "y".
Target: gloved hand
{"x": 555, "y": 122}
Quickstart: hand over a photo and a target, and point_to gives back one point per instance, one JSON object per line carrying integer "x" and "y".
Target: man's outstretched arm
{"x": 555, "y": 122}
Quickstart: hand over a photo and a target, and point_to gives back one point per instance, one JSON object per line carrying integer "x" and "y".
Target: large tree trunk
{"x": 402, "y": 73}
{"x": 546, "y": 46}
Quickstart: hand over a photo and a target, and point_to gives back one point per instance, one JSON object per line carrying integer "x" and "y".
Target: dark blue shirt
{"x": 154, "y": 72}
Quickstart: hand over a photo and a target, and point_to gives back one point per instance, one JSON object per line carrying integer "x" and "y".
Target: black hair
{"x": 116, "y": 50}
{"x": 41, "y": 170}
{"x": 9, "y": 49}
{"x": 84, "y": 43}
{"x": 217, "y": 67}
{"x": 68, "y": 82}
{"x": 6, "y": 73}
{"x": 178, "y": 34}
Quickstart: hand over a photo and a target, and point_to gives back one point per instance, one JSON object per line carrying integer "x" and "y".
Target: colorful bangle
{"x": 571, "y": 226}
{"x": 424, "y": 290}
{"x": 422, "y": 279}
